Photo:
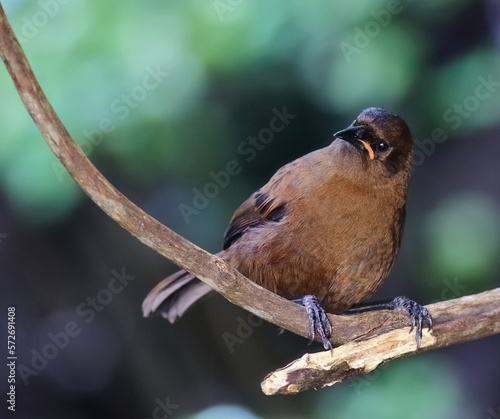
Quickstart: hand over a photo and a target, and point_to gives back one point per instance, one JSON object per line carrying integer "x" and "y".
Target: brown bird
{"x": 324, "y": 231}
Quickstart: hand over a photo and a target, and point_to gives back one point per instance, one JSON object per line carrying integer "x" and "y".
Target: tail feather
{"x": 186, "y": 298}
{"x": 173, "y": 296}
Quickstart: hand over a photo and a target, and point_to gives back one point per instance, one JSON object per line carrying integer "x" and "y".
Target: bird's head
{"x": 382, "y": 138}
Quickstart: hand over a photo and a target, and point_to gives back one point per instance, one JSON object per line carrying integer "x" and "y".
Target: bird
{"x": 324, "y": 232}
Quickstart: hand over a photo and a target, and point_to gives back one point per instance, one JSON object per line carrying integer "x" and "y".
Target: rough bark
{"x": 459, "y": 320}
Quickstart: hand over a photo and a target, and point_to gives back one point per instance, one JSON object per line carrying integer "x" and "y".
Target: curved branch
{"x": 207, "y": 267}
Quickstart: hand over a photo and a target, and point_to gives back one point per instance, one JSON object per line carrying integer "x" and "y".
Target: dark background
{"x": 229, "y": 64}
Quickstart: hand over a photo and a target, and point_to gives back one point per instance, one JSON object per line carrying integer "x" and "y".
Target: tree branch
{"x": 459, "y": 320}
{"x": 209, "y": 268}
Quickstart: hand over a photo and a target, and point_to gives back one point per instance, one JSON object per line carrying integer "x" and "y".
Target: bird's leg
{"x": 318, "y": 319}
{"x": 418, "y": 314}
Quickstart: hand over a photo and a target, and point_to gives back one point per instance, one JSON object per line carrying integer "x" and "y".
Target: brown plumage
{"x": 328, "y": 224}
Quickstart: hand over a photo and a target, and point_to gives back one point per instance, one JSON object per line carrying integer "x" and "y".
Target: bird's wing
{"x": 255, "y": 211}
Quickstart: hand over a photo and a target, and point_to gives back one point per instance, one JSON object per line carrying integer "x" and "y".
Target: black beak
{"x": 352, "y": 134}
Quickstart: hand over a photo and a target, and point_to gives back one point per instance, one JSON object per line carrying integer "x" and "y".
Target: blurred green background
{"x": 162, "y": 95}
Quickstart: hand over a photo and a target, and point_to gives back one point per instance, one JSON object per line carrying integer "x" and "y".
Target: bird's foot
{"x": 418, "y": 314}
{"x": 318, "y": 320}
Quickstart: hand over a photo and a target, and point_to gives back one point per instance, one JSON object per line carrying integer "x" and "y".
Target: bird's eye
{"x": 382, "y": 146}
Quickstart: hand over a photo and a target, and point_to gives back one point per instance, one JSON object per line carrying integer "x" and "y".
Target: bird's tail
{"x": 173, "y": 296}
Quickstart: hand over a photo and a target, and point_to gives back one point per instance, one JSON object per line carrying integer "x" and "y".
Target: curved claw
{"x": 318, "y": 320}
{"x": 418, "y": 314}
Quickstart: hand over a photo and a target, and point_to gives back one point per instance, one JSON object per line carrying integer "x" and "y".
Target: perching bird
{"x": 324, "y": 231}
